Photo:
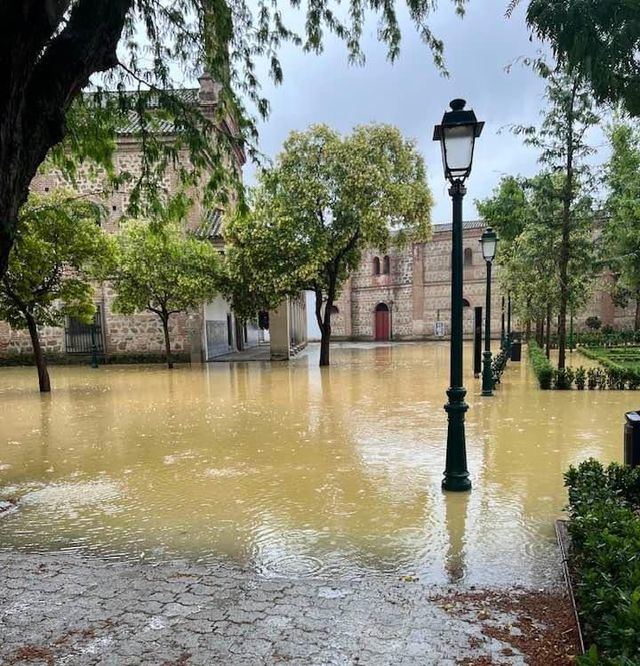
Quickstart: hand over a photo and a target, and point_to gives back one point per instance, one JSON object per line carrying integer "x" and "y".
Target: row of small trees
{"x": 61, "y": 251}
{"x": 555, "y": 237}
{"x": 312, "y": 215}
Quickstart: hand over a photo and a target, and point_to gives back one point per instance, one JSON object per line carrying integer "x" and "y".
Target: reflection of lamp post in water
{"x": 455, "y": 516}
{"x": 457, "y": 134}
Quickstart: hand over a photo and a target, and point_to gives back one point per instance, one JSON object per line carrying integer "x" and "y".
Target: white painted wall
{"x": 313, "y": 330}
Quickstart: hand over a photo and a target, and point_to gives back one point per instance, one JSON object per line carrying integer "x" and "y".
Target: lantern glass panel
{"x": 458, "y": 149}
{"x": 489, "y": 247}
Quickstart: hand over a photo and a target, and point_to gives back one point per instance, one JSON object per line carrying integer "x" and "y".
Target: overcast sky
{"x": 412, "y": 95}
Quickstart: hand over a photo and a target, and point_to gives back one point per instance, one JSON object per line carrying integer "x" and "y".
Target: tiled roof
{"x": 466, "y": 225}
{"x": 211, "y": 225}
{"x": 131, "y": 120}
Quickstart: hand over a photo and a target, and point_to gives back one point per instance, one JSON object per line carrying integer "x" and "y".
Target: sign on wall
{"x": 439, "y": 329}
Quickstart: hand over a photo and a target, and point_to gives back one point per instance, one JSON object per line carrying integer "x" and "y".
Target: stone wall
{"x": 417, "y": 291}
{"x": 140, "y": 333}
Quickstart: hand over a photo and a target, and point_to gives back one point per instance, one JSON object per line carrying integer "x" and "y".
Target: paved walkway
{"x": 70, "y": 609}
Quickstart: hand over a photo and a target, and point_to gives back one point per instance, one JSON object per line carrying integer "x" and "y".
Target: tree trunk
{"x": 167, "y": 341}
{"x": 324, "y": 320}
{"x": 41, "y": 361}
{"x": 540, "y": 332}
{"x": 325, "y": 331}
{"x": 567, "y": 199}
{"x": 548, "y": 343}
{"x": 636, "y": 321}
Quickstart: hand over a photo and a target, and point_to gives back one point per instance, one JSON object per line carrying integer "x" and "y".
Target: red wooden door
{"x": 382, "y": 325}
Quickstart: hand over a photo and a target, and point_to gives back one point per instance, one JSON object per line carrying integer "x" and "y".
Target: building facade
{"x": 210, "y": 331}
{"x": 405, "y": 293}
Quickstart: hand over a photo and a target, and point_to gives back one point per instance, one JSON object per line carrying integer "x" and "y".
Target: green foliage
{"x": 547, "y": 253}
{"x": 605, "y": 534}
{"x": 581, "y": 378}
{"x": 598, "y": 40}
{"x": 159, "y": 46}
{"x": 59, "y": 249}
{"x": 61, "y": 358}
{"x": 162, "y": 270}
{"x": 593, "y": 323}
{"x": 563, "y": 379}
{"x": 541, "y": 365}
{"x": 325, "y": 200}
{"x": 622, "y": 230}
{"x": 621, "y": 364}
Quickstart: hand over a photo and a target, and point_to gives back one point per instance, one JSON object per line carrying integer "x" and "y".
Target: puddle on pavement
{"x": 296, "y": 472}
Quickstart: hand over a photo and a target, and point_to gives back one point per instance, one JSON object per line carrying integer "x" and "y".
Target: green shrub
{"x": 605, "y": 558}
{"x": 59, "y": 358}
{"x": 562, "y": 379}
{"x": 621, "y": 366}
{"x": 581, "y": 377}
{"x": 541, "y": 365}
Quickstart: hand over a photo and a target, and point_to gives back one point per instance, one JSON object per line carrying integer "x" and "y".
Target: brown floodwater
{"x": 294, "y": 471}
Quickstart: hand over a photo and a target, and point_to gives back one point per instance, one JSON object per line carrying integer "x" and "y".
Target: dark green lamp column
{"x": 457, "y": 134}
{"x": 489, "y": 242}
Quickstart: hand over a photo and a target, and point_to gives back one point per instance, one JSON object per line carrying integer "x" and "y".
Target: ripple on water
{"x": 62, "y": 496}
{"x": 292, "y": 566}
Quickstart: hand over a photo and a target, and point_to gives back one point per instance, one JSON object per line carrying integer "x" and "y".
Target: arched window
{"x": 465, "y": 303}
{"x": 385, "y": 265}
{"x": 468, "y": 256}
{"x": 382, "y": 307}
{"x": 334, "y": 310}
{"x": 376, "y": 265}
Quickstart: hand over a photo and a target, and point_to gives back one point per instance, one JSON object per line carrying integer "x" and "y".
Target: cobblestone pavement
{"x": 69, "y": 609}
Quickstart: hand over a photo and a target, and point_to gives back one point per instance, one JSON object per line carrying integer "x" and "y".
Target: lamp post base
{"x": 487, "y": 374}
{"x": 456, "y": 484}
{"x": 456, "y": 475}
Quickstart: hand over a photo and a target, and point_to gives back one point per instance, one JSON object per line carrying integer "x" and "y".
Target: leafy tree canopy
{"x": 597, "y": 40}
{"x": 60, "y": 248}
{"x": 49, "y": 52}
{"x": 163, "y": 271}
{"x": 622, "y": 230}
{"x": 326, "y": 199}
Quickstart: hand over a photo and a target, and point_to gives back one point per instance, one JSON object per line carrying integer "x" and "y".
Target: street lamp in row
{"x": 457, "y": 134}
{"x": 489, "y": 242}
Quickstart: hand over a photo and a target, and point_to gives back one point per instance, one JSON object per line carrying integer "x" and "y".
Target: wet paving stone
{"x": 378, "y": 621}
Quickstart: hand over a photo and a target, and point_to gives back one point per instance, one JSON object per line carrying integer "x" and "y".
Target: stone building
{"x": 212, "y": 331}
{"x": 404, "y": 293}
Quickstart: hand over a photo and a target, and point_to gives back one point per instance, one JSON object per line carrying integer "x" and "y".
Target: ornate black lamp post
{"x": 489, "y": 242}
{"x": 457, "y": 134}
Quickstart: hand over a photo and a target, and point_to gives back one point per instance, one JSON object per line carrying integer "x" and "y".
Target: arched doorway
{"x": 382, "y": 323}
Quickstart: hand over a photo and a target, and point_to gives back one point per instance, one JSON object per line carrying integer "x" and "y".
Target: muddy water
{"x": 293, "y": 471}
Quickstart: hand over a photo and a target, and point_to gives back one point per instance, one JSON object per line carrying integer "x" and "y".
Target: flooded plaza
{"x": 291, "y": 471}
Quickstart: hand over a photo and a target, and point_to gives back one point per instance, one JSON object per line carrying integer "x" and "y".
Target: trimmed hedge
{"x": 84, "y": 359}
{"x": 604, "y": 524}
{"x": 541, "y": 365}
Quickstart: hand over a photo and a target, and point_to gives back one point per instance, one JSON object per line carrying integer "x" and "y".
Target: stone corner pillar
{"x": 195, "y": 336}
{"x": 279, "y": 332}
{"x": 417, "y": 289}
